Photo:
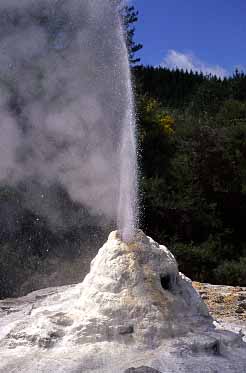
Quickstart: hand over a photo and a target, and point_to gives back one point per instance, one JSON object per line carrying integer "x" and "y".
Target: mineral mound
{"x": 133, "y": 312}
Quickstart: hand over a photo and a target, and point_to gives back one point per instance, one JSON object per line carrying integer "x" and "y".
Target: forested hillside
{"x": 192, "y": 131}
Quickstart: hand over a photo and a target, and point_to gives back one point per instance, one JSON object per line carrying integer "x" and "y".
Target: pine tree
{"x": 130, "y": 17}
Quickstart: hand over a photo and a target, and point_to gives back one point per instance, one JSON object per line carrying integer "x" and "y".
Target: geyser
{"x": 66, "y": 108}
{"x": 128, "y": 203}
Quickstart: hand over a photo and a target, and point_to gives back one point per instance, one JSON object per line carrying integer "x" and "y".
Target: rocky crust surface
{"x": 134, "y": 309}
{"x": 141, "y": 370}
{"x": 227, "y": 305}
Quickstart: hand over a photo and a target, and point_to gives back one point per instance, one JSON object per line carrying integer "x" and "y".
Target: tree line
{"x": 192, "y": 136}
{"x": 192, "y": 131}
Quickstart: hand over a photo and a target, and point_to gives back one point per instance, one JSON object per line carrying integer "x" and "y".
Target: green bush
{"x": 197, "y": 261}
{"x": 231, "y": 272}
{"x": 14, "y": 269}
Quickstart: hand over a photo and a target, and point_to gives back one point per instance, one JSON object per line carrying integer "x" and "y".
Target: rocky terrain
{"x": 227, "y": 305}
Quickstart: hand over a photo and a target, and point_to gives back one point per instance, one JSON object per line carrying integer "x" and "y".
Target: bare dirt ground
{"x": 227, "y": 305}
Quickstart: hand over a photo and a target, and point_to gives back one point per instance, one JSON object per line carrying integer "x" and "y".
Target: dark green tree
{"x": 130, "y": 17}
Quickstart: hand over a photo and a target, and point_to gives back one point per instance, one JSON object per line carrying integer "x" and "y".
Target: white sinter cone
{"x": 133, "y": 309}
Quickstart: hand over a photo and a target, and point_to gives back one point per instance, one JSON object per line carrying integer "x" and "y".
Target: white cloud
{"x": 188, "y": 61}
{"x": 240, "y": 68}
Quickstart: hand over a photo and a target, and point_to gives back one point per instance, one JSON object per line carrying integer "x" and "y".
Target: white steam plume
{"x": 63, "y": 100}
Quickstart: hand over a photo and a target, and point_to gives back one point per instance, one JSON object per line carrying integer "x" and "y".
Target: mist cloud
{"x": 62, "y": 102}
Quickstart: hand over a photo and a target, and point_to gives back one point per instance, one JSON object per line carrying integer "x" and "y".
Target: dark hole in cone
{"x": 166, "y": 282}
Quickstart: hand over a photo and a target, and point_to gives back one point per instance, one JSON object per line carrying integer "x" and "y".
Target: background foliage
{"x": 193, "y": 139}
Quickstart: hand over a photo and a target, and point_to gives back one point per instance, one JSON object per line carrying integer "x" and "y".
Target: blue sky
{"x": 203, "y": 35}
